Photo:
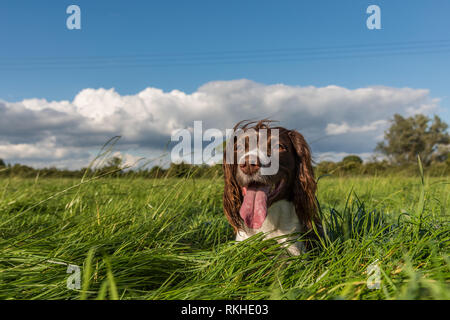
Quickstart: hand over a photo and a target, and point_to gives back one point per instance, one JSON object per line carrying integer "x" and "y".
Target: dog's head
{"x": 249, "y": 192}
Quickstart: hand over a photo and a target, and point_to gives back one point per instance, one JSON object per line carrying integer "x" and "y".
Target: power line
{"x": 259, "y": 51}
{"x": 229, "y": 57}
{"x": 223, "y": 57}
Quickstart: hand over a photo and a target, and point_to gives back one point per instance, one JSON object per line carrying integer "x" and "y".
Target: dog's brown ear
{"x": 305, "y": 185}
{"x": 231, "y": 195}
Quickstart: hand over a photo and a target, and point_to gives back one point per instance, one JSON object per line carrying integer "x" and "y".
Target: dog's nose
{"x": 250, "y": 168}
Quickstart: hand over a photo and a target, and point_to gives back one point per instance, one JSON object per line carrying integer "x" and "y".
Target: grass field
{"x": 169, "y": 239}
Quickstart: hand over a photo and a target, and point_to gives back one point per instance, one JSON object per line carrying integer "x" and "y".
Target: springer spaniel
{"x": 280, "y": 203}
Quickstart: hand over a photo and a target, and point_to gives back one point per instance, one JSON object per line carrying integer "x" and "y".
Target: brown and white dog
{"x": 278, "y": 204}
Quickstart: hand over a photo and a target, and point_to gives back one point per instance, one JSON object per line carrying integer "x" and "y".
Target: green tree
{"x": 114, "y": 162}
{"x": 408, "y": 137}
{"x": 179, "y": 170}
{"x": 112, "y": 167}
{"x": 156, "y": 172}
{"x": 352, "y": 158}
{"x": 325, "y": 167}
{"x": 2, "y": 163}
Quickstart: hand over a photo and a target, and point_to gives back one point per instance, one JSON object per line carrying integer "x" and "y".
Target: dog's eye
{"x": 280, "y": 147}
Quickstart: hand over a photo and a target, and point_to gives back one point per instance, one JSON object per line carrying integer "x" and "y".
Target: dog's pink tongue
{"x": 254, "y": 207}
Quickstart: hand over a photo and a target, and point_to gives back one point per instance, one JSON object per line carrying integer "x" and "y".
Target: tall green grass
{"x": 169, "y": 239}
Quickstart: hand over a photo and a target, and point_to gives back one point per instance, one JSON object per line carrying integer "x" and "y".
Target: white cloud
{"x": 337, "y": 156}
{"x": 46, "y": 149}
{"x": 336, "y": 129}
{"x": 128, "y": 160}
{"x": 333, "y": 119}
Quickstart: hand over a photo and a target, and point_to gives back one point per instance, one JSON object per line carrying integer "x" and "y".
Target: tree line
{"x": 406, "y": 140}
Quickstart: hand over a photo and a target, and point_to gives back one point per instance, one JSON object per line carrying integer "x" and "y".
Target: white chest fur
{"x": 281, "y": 220}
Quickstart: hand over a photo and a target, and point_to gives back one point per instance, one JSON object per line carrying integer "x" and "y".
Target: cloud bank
{"x": 335, "y": 120}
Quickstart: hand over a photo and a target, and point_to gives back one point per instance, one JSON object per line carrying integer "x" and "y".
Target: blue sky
{"x": 35, "y": 31}
{"x": 110, "y": 28}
